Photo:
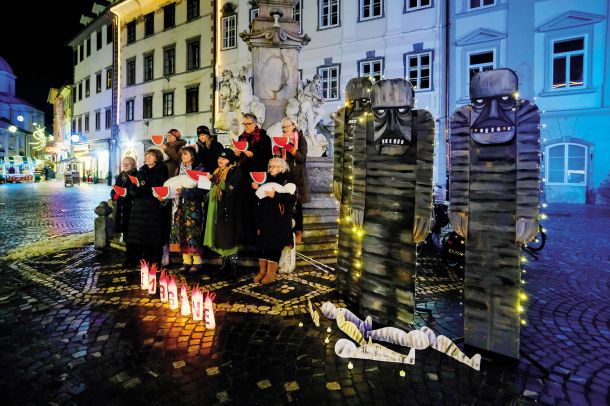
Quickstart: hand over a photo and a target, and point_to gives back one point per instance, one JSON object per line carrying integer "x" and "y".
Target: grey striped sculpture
{"x": 352, "y": 123}
{"x": 398, "y": 201}
{"x": 494, "y": 193}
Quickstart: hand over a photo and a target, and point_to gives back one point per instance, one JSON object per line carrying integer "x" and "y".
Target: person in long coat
{"x": 295, "y": 154}
{"x": 254, "y": 159}
{"x": 223, "y": 211}
{"x": 147, "y": 220}
{"x": 123, "y": 207}
{"x": 274, "y": 219}
{"x": 187, "y": 219}
{"x": 208, "y": 149}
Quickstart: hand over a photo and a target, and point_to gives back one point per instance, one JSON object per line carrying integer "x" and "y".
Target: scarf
{"x": 183, "y": 168}
{"x": 252, "y": 139}
{"x": 222, "y": 176}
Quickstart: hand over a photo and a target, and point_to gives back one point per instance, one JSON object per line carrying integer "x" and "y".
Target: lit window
{"x": 372, "y": 68}
{"x": 329, "y": 13}
{"x": 229, "y": 32}
{"x": 566, "y": 164}
{"x": 568, "y": 63}
{"x": 371, "y": 9}
{"x": 108, "y": 78}
{"x": 419, "y": 67}
{"x": 329, "y": 82}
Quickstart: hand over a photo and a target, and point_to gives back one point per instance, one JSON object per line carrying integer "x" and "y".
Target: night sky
{"x": 34, "y": 41}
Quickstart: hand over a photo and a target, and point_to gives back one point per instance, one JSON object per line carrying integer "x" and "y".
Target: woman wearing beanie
{"x": 208, "y": 149}
{"x": 172, "y": 149}
{"x": 147, "y": 220}
{"x": 223, "y": 211}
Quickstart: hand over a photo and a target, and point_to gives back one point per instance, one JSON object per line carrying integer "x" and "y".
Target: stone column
{"x": 275, "y": 42}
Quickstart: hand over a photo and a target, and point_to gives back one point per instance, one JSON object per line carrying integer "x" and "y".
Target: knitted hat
{"x": 228, "y": 153}
{"x": 175, "y": 133}
{"x": 203, "y": 129}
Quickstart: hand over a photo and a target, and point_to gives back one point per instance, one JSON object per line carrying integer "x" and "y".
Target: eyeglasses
{"x": 286, "y": 126}
{"x": 246, "y": 124}
{"x": 275, "y": 166}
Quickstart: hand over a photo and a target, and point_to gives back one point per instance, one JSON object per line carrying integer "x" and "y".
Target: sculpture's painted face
{"x": 358, "y": 93}
{"x": 392, "y": 102}
{"x": 494, "y": 102}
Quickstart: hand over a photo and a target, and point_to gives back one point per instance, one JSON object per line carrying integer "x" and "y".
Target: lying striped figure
{"x": 398, "y": 202}
{"x": 494, "y": 194}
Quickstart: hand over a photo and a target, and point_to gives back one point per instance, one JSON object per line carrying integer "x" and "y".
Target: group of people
{"x": 231, "y": 215}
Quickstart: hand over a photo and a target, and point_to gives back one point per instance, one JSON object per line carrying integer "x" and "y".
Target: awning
{"x": 19, "y": 160}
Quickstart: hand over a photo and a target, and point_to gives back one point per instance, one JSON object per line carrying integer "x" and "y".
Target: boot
{"x": 262, "y": 263}
{"x": 271, "y": 274}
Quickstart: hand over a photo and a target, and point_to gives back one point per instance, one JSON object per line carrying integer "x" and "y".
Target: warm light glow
{"x": 545, "y": 205}
{"x": 208, "y": 311}
{"x": 197, "y": 303}
{"x": 300, "y": 324}
{"x": 328, "y": 330}
{"x": 327, "y": 340}
{"x": 350, "y": 365}
{"x": 12, "y": 129}
{"x": 523, "y": 322}
{"x": 523, "y": 296}
{"x": 520, "y": 309}
{"x": 143, "y": 275}
{"x": 543, "y": 216}
{"x": 523, "y": 259}
{"x": 402, "y": 373}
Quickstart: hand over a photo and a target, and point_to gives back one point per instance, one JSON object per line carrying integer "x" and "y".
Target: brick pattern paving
{"x": 75, "y": 328}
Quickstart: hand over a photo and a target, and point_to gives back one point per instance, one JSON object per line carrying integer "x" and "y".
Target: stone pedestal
{"x": 320, "y": 215}
{"x": 275, "y": 42}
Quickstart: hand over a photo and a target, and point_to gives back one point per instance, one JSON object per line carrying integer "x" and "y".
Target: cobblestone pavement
{"x": 37, "y": 211}
{"x": 75, "y": 328}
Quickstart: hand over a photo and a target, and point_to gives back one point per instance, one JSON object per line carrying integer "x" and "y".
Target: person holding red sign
{"x": 187, "y": 216}
{"x": 223, "y": 211}
{"x": 123, "y": 208}
{"x": 208, "y": 149}
{"x": 147, "y": 220}
{"x": 295, "y": 154}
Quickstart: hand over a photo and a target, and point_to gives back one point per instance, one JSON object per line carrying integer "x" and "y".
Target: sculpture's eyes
{"x": 507, "y": 102}
{"x": 479, "y": 102}
{"x": 379, "y": 113}
{"x": 363, "y": 100}
{"x": 403, "y": 110}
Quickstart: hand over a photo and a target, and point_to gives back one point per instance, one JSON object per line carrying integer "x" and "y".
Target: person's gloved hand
{"x": 289, "y": 147}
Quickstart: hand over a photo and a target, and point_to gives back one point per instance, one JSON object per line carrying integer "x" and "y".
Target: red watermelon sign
{"x": 240, "y": 145}
{"x": 120, "y": 191}
{"x": 157, "y": 139}
{"x": 161, "y": 192}
{"x": 194, "y": 175}
{"x": 134, "y": 180}
{"x": 280, "y": 141}
{"x": 259, "y": 177}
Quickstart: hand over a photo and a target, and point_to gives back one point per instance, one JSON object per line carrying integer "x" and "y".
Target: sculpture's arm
{"x": 528, "y": 171}
{"x": 459, "y": 140}
{"x": 423, "y": 124}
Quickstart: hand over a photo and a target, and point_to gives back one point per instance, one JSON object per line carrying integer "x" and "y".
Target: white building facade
{"x": 166, "y": 71}
{"x": 559, "y": 50}
{"x": 377, "y": 38}
{"x": 91, "y": 121}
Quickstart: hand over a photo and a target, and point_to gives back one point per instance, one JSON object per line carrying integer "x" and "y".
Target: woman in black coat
{"x": 295, "y": 153}
{"x": 255, "y": 159}
{"x": 208, "y": 149}
{"x": 223, "y": 211}
{"x": 123, "y": 207}
{"x": 147, "y": 226}
{"x": 274, "y": 219}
